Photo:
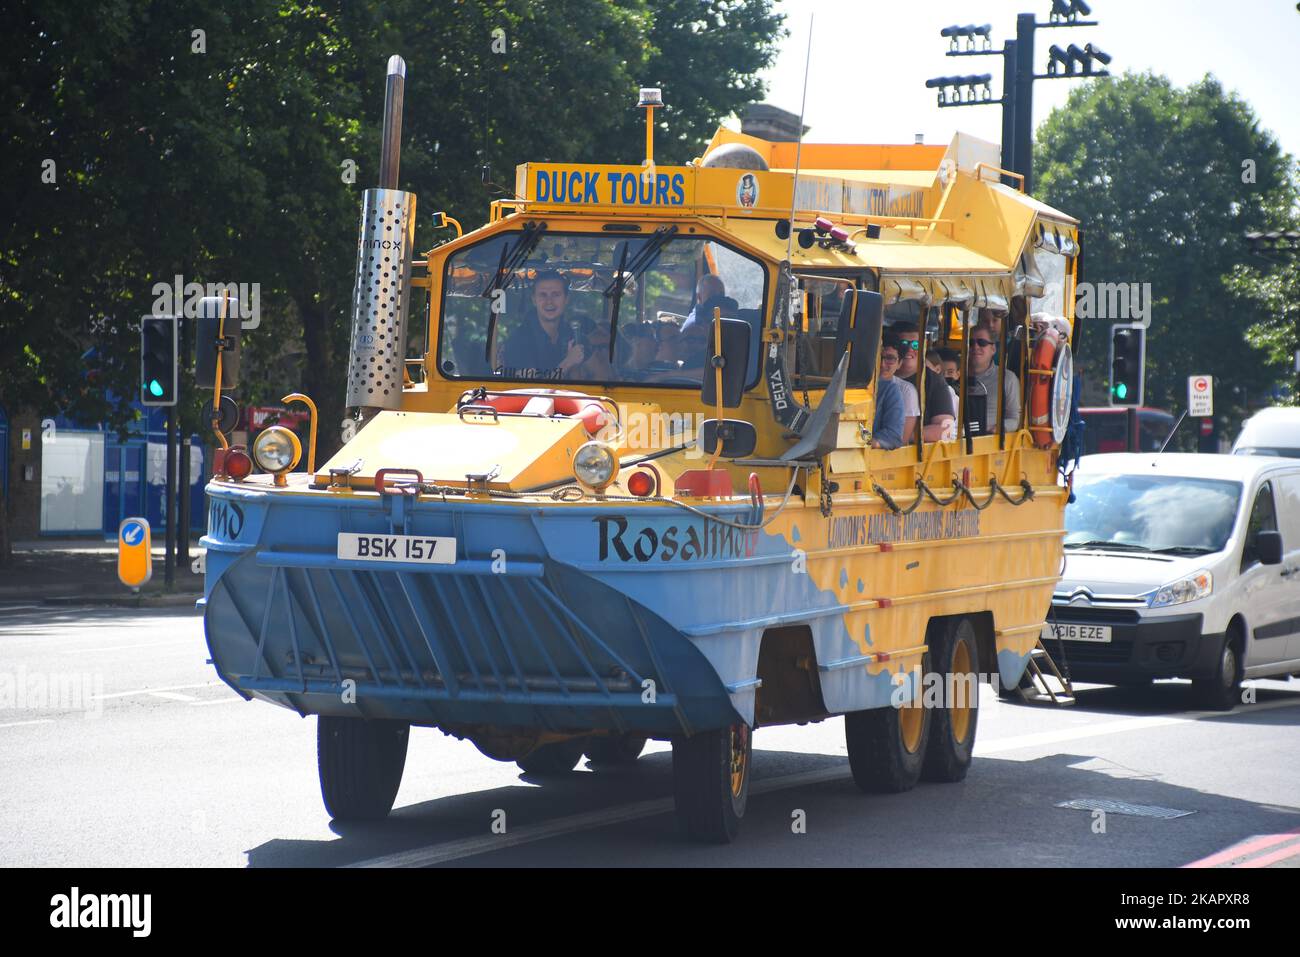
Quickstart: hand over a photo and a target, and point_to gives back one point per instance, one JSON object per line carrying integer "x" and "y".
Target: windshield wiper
{"x": 1113, "y": 546}
{"x": 511, "y": 258}
{"x": 1183, "y": 550}
{"x": 644, "y": 258}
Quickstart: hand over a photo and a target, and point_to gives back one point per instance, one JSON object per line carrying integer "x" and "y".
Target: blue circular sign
{"x": 133, "y": 533}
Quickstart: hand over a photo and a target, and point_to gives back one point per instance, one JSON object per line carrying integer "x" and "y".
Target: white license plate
{"x": 422, "y": 549}
{"x": 1068, "y": 632}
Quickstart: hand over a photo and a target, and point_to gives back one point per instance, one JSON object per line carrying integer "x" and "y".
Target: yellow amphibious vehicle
{"x": 637, "y": 486}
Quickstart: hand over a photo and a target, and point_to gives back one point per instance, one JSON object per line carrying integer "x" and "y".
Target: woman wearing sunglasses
{"x": 982, "y": 379}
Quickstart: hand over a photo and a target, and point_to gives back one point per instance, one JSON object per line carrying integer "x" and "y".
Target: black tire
{"x": 952, "y": 725}
{"x": 360, "y": 764}
{"x": 881, "y": 761}
{"x": 711, "y": 772}
{"x": 617, "y": 750}
{"x": 559, "y": 757}
{"x": 1222, "y": 692}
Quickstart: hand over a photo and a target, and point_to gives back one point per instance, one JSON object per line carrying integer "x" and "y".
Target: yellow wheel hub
{"x": 911, "y": 722}
{"x": 739, "y": 757}
{"x": 960, "y": 707}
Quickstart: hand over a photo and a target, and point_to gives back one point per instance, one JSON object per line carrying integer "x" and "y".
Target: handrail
{"x": 1001, "y": 172}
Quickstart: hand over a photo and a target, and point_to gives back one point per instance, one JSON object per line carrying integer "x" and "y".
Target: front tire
{"x": 1222, "y": 691}
{"x": 711, "y": 772}
{"x": 618, "y": 750}
{"x": 887, "y": 746}
{"x": 360, "y": 764}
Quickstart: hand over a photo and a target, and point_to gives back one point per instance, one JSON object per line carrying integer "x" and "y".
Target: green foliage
{"x": 1156, "y": 175}
{"x": 227, "y": 165}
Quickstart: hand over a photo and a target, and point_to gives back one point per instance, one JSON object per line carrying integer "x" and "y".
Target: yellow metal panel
{"x": 527, "y": 450}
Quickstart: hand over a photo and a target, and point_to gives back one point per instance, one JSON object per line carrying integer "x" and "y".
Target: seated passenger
{"x": 710, "y": 292}
{"x": 892, "y": 349}
{"x": 596, "y": 366}
{"x": 640, "y": 347}
{"x": 887, "y": 424}
{"x": 693, "y": 349}
{"x": 544, "y": 345}
{"x": 934, "y": 369}
{"x": 982, "y": 380}
{"x": 940, "y": 415}
{"x": 667, "y": 332}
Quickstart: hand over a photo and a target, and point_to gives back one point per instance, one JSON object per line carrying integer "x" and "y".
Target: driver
{"x": 544, "y": 346}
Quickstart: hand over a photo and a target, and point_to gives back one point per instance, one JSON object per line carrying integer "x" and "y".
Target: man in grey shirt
{"x": 982, "y": 379}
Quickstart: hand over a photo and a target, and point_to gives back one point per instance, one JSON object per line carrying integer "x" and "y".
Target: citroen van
{"x": 1180, "y": 566}
{"x": 1273, "y": 431}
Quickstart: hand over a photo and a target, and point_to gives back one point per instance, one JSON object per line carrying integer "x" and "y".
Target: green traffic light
{"x": 1121, "y": 391}
{"x": 156, "y": 387}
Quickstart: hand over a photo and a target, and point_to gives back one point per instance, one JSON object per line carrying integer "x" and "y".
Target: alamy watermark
{"x": 181, "y": 298}
{"x": 22, "y": 690}
{"x": 1115, "y": 302}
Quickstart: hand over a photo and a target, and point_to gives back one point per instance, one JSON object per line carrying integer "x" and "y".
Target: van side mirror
{"x": 862, "y": 317}
{"x": 205, "y": 343}
{"x": 734, "y": 360}
{"x": 1269, "y": 547}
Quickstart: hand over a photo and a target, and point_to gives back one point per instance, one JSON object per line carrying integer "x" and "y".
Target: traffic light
{"x": 1128, "y": 355}
{"x": 158, "y": 359}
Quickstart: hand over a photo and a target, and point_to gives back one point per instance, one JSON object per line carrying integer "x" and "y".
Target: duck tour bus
{"x": 651, "y": 478}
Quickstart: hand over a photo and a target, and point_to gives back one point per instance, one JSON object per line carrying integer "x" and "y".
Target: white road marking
{"x": 173, "y": 696}
{"x": 127, "y": 694}
{"x": 19, "y": 724}
{"x": 231, "y": 700}
{"x": 468, "y": 847}
{"x": 150, "y": 644}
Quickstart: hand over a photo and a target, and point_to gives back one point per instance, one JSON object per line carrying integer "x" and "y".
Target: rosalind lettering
{"x": 698, "y": 541}
{"x": 102, "y": 910}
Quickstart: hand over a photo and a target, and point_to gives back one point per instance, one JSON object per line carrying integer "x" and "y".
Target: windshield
{"x": 1280, "y": 451}
{"x": 1158, "y": 513}
{"x": 540, "y": 306}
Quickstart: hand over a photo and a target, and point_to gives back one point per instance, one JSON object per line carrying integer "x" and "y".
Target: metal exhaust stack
{"x": 377, "y": 356}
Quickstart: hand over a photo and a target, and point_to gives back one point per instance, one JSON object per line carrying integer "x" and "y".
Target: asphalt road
{"x": 150, "y": 760}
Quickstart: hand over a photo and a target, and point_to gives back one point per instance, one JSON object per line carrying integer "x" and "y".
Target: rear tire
{"x": 360, "y": 764}
{"x": 887, "y": 746}
{"x": 1223, "y": 691}
{"x": 618, "y": 750}
{"x": 952, "y": 727}
{"x": 711, "y": 772}
{"x": 559, "y": 757}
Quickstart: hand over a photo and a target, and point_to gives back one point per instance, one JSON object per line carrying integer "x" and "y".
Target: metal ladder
{"x": 1043, "y": 675}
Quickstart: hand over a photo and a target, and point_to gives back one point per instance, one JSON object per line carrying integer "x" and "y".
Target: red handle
{"x": 379, "y": 478}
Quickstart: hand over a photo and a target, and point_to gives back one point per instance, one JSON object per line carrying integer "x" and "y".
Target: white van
{"x": 1273, "y": 431}
{"x": 1181, "y": 566}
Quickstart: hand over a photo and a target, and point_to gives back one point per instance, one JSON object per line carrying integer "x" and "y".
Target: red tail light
{"x": 641, "y": 484}
{"x": 238, "y": 464}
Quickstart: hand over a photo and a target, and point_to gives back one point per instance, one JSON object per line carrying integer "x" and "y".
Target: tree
{"x": 221, "y": 156}
{"x": 1157, "y": 175}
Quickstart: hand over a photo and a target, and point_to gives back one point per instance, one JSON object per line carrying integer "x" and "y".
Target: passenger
{"x": 710, "y": 293}
{"x": 892, "y": 350}
{"x": 640, "y": 346}
{"x": 982, "y": 379}
{"x": 887, "y": 424}
{"x": 934, "y": 363}
{"x": 950, "y": 361}
{"x": 940, "y": 415}
{"x": 544, "y": 345}
{"x": 693, "y": 349}
{"x": 596, "y": 367}
{"x": 667, "y": 332}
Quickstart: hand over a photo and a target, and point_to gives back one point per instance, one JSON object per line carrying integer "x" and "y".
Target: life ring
{"x": 1051, "y": 388}
{"x": 548, "y": 402}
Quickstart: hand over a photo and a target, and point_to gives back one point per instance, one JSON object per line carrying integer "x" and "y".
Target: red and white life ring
{"x": 1051, "y": 386}
{"x": 551, "y": 402}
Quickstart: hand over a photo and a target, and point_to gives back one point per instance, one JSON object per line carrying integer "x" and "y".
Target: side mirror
{"x": 734, "y": 360}
{"x": 862, "y": 318}
{"x": 738, "y": 437}
{"x": 207, "y": 331}
{"x": 1269, "y": 547}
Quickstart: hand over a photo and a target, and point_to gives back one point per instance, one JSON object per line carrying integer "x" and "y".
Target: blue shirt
{"x": 887, "y": 428}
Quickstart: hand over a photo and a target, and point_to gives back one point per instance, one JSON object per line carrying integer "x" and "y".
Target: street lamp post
{"x": 1017, "y": 100}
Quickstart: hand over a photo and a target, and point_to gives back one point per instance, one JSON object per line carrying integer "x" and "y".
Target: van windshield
{"x": 542, "y": 306}
{"x": 1151, "y": 513}
{"x": 1281, "y": 452}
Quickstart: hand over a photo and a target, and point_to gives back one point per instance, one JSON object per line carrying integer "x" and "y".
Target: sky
{"x": 871, "y": 58}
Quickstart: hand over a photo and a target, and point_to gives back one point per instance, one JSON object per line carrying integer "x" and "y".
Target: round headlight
{"x": 595, "y": 464}
{"x": 276, "y": 450}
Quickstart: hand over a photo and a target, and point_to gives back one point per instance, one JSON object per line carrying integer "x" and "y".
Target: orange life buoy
{"x": 578, "y": 405}
{"x": 1041, "y": 372}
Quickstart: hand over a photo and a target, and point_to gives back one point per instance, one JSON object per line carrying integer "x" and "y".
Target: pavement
{"x": 83, "y": 571}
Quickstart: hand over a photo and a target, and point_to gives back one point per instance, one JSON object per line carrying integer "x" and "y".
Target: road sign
{"x": 1200, "y": 395}
{"x": 134, "y": 552}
